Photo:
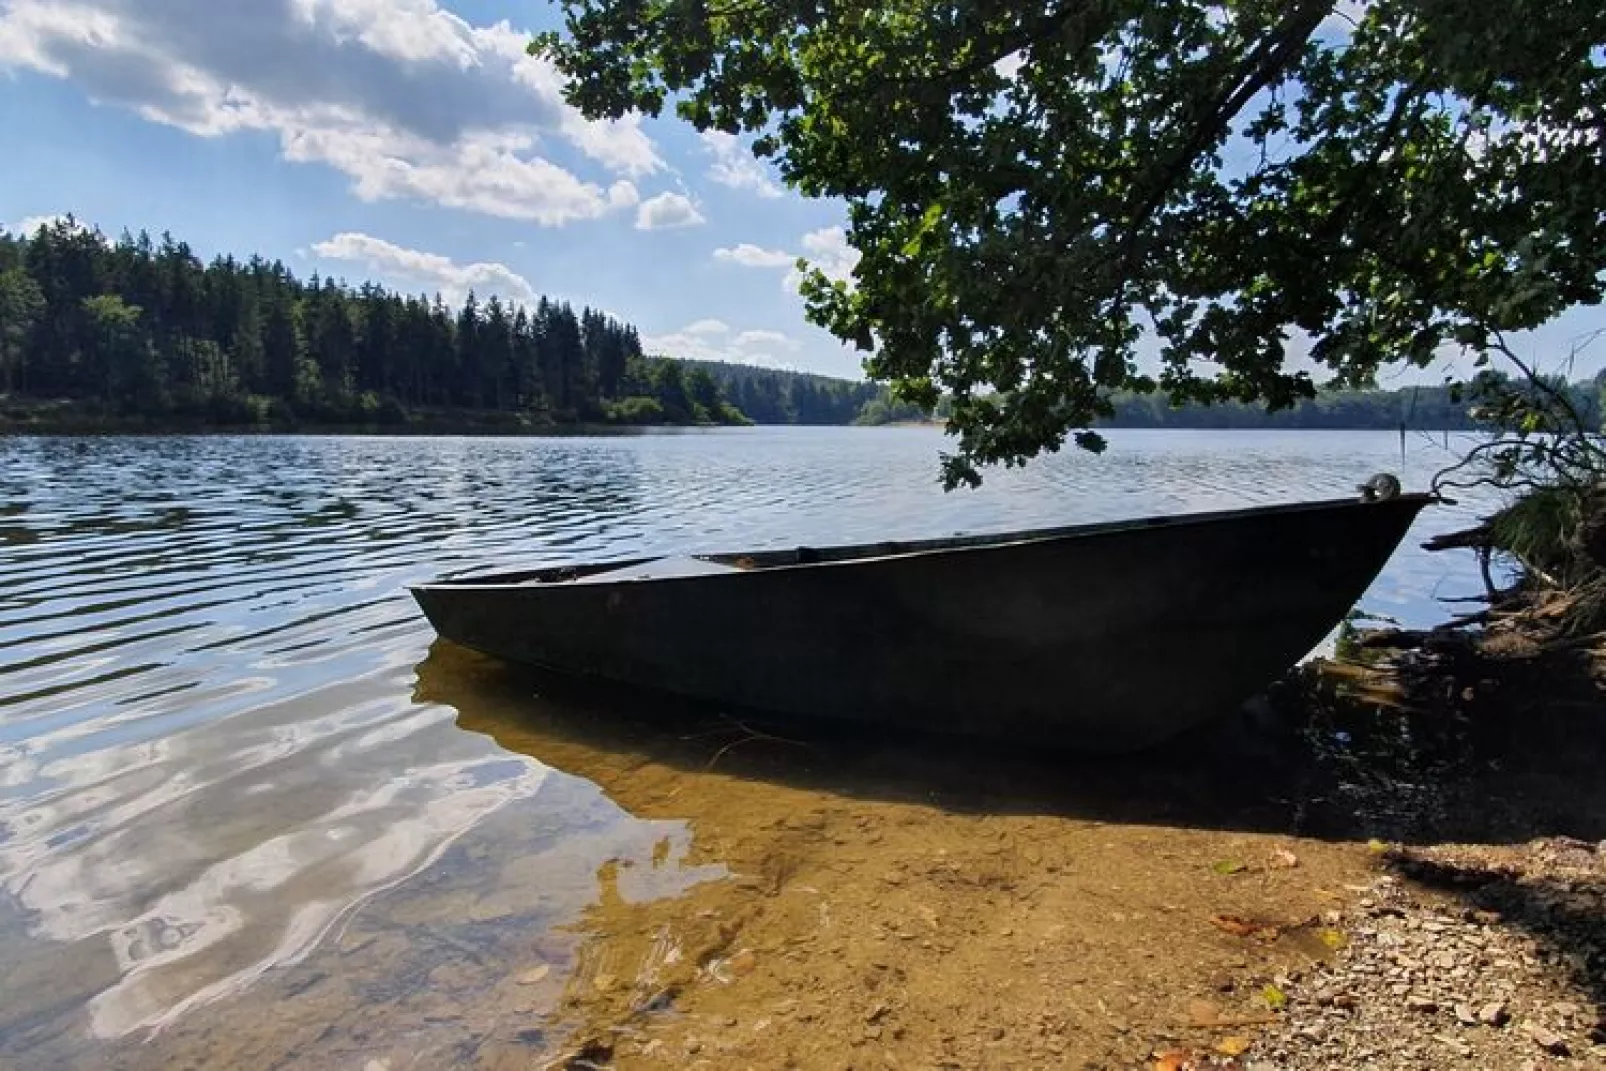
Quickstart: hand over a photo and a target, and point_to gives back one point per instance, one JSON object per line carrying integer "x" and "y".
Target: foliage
{"x": 636, "y": 410}
{"x": 1548, "y": 455}
{"x": 21, "y": 304}
{"x": 773, "y": 396}
{"x": 144, "y": 328}
{"x": 1035, "y": 190}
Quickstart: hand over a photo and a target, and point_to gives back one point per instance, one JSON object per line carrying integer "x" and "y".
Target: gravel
{"x": 1477, "y": 957}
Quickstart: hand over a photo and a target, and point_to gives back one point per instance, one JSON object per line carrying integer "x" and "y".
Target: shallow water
{"x": 249, "y": 812}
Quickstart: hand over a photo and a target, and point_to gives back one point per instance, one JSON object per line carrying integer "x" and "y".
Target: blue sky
{"x": 407, "y": 141}
{"x": 414, "y": 143}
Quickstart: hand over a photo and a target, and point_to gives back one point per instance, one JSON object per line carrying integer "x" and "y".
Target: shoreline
{"x": 424, "y": 429}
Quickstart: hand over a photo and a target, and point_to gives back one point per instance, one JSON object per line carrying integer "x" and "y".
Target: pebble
{"x": 1419, "y": 986}
{"x": 1493, "y": 1013}
{"x": 1545, "y": 1038}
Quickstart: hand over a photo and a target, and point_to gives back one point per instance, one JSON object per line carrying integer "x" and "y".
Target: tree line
{"x": 141, "y": 327}
{"x": 776, "y": 396}
{"x": 1450, "y": 407}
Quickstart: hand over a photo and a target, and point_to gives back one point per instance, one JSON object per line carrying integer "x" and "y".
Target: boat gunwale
{"x": 911, "y": 548}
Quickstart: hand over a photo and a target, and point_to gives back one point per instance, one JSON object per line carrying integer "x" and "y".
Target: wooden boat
{"x": 1103, "y": 637}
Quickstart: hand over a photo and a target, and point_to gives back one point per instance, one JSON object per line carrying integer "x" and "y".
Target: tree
{"x": 21, "y": 304}
{"x": 118, "y": 353}
{"x": 1037, "y": 191}
{"x": 671, "y": 391}
{"x": 704, "y": 394}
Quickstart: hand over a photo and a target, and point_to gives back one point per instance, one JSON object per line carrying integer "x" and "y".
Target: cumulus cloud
{"x": 826, "y": 249}
{"x": 666, "y": 211}
{"x": 405, "y": 98}
{"x": 26, "y": 226}
{"x": 772, "y": 339}
{"x": 714, "y": 340}
{"x": 735, "y": 166}
{"x": 752, "y": 256}
{"x": 429, "y": 271}
{"x": 707, "y": 327}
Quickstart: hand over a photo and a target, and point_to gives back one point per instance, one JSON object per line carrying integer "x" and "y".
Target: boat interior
{"x": 667, "y": 566}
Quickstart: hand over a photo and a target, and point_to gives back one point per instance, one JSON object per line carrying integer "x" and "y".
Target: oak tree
{"x": 1041, "y": 192}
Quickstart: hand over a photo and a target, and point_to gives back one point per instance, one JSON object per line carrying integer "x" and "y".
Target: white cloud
{"x": 826, "y": 249}
{"x": 26, "y": 226}
{"x": 712, "y": 340}
{"x": 707, "y": 327}
{"x": 666, "y": 211}
{"x": 752, "y": 256}
{"x": 405, "y": 98}
{"x": 430, "y": 271}
{"x": 735, "y": 166}
{"x": 770, "y": 339}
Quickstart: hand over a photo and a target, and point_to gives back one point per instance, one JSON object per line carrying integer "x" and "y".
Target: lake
{"x": 253, "y": 814}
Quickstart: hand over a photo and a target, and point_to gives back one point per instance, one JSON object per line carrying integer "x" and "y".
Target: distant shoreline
{"x": 534, "y": 430}
{"x": 67, "y": 419}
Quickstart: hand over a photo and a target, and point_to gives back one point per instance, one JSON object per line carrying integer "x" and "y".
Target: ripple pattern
{"x": 210, "y": 753}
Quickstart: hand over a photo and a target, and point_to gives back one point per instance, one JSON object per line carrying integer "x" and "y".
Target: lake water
{"x": 252, "y": 813}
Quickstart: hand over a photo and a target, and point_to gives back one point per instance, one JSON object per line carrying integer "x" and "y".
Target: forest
{"x": 141, "y": 330}
{"x": 140, "y": 333}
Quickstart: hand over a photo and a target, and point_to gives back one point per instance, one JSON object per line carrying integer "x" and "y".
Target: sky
{"x": 411, "y": 142}
{"x": 416, "y": 144}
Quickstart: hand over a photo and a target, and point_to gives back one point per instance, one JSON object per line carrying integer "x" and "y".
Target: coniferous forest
{"x": 139, "y": 333}
{"x": 140, "y": 328}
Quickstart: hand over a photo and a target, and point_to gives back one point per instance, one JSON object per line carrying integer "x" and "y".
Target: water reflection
{"x": 227, "y": 816}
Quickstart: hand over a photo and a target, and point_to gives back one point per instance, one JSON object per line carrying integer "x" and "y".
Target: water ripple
{"x": 210, "y": 753}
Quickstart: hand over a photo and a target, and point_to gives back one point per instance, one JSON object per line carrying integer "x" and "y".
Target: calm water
{"x": 227, "y": 747}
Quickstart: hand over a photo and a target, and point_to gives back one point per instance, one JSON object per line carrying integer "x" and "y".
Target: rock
{"x": 1466, "y": 1015}
{"x": 1418, "y": 1003}
{"x": 1494, "y": 1013}
{"x": 535, "y": 974}
{"x": 1545, "y": 1038}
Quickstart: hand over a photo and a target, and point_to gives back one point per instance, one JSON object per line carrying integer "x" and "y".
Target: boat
{"x": 1094, "y": 637}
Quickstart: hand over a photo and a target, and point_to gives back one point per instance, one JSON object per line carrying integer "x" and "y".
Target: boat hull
{"x": 1103, "y": 638}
